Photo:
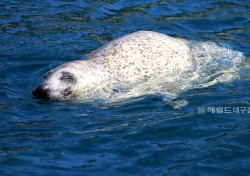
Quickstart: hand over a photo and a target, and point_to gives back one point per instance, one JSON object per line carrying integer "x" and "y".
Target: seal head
{"x": 65, "y": 82}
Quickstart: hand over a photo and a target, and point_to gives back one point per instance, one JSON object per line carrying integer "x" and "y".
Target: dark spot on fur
{"x": 146, "y": 78}
{"x": 115, "y": 90}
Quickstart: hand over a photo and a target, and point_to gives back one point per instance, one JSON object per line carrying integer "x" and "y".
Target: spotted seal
{"x": 139, "y": 64}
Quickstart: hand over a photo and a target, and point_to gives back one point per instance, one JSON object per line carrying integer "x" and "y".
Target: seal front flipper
{"x": 170, "y": 99}
{"x": 178, "y": 104}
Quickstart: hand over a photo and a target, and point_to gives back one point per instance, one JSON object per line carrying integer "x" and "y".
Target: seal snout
{"x": 40, "y": 92}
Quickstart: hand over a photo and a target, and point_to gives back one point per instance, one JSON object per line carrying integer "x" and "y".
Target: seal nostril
{"x": 39, "y": 92}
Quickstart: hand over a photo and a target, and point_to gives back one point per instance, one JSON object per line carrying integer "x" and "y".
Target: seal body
{"x": 138, "y": 64}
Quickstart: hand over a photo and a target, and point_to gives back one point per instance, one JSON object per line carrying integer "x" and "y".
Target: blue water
{"x": 209, "y": 136}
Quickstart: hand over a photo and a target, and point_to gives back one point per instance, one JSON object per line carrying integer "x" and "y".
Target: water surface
{"x": 209, "y": 136}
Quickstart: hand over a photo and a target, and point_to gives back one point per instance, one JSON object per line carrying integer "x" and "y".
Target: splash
{"x": 212, "y": 63}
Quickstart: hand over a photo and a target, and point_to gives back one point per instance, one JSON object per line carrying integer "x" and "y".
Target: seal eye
{"x": 68, "y": 77}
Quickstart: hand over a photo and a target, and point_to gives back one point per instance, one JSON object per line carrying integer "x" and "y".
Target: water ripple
{"x": 142, "y": 137}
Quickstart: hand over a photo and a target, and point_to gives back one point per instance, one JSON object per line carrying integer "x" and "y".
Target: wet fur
{"x": 143, "y": 63}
